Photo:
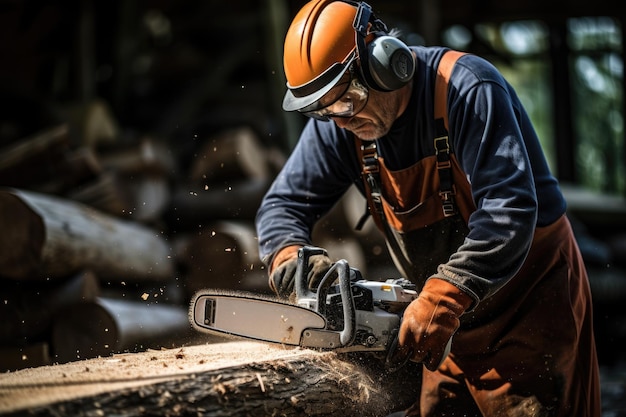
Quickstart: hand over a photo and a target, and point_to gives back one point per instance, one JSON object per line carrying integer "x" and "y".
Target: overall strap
{"x": 368, "y": 154}
{"x": 441, "y": 141}
{"x": 444, "y": 70}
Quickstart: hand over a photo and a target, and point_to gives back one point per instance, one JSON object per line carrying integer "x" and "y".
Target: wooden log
{"x": 232, "y": 154}
{"x": 47, "y": 237}
{"x": 105, "y": 193}
{"x": 222, "y": 255}
{"x": 72, "y": 169}
{"x": 191, "y": 204}
{"x": 218, "y": 379}
{"x": 148, "y": 156}
{"x": 93, "y": 121}
{"x": 107, "y": 325}
{"x": 33, "y": 159}
{"x": 228, "y": 178}
{"x": 28, "y": 309}
{"x": 45, "y": 162}
{"x": 42, "y": 142}
{"x": 22, "y": 240}
{"x": 150, "y": 195}
{"x": 133, "y": 182}
{"x": 141, "y": 198}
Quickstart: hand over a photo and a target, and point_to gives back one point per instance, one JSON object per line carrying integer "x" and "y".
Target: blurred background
{"x": 138, "y": 137}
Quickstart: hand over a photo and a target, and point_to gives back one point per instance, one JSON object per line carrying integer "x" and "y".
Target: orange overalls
{"x": 529, "y": 349}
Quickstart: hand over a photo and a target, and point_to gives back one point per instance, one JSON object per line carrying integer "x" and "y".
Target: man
{"x": 456, "y": 180}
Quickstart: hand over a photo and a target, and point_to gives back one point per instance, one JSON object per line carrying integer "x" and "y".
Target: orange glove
{"x": 282, "y": 271}
{"x": 431, "y": 320}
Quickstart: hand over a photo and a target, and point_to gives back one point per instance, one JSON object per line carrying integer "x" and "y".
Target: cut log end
{"x": 23, "y": 238}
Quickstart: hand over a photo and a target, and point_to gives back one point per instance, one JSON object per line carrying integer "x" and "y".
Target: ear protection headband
{"x": 386, "y": 62}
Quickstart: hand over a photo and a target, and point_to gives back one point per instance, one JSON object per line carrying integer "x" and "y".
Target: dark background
{"x": 174, "y": 68}
{"x": 183, "y": 70}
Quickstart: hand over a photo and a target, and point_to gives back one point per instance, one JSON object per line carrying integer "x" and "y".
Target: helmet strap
{"x": 361, "y": 21}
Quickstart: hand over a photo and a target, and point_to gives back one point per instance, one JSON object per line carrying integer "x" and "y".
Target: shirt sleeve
{"x": 489, "y": 130}
{"x": 317, "y": 173}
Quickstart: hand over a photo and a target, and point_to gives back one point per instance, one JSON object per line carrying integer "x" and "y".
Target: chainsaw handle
{"x": 342, "y": 269}
{"x": 348, "y": 333}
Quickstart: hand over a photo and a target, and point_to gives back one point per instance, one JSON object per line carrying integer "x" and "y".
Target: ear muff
{"x": 386, "y": 62}
{"x": 390, "y": 63}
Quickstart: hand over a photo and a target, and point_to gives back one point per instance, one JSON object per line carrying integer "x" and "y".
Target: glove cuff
{"x": 455, "y": 298}
{"x": 283, "y": 255}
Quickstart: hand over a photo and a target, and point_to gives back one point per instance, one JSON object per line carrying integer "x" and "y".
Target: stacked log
{"x": 222, "y": 255}
{"x": 135, "y": 183}
{"x": 105, "y": 239}
{"x": 29, "y": 309}
{"x": 55, "y": 237}
{"x": 82, "y": 203}
{"x": 108, "y": 325}
{"x": 46, "y": 162}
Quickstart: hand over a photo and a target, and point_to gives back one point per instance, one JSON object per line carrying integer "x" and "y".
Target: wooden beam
{"x": 107, "y": 325}
{"x": 216, "y": 379}
{"x": 46, "y": 236}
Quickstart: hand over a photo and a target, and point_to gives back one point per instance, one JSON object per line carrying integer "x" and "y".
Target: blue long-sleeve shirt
{"x": 494, "y": 142}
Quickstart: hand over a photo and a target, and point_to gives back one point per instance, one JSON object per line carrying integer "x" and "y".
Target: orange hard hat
{"x": 319, "y": 47}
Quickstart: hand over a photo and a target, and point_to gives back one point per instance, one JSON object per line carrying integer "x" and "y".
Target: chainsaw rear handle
{"x": 342, "y": 270}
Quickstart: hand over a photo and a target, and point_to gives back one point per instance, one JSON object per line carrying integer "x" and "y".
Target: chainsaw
{"x": 345, "y": 312}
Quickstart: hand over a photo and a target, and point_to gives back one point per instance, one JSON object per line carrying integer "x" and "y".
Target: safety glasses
{"x": 346, "y": 99}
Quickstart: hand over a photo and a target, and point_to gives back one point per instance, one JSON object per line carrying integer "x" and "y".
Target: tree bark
{"x": 47, "y": 237}
{"x": 219, "y": 379}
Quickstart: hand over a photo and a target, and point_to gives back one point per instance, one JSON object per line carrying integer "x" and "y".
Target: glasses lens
{"x": 333, "y": 95}
{"x": 350, "y": 103}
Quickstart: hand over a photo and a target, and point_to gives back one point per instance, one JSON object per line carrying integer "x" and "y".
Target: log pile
{"x": 103, "y": 232}
{"x": 88, "y": 263}
{"x": 105, "y": 237}
{"x": 133, "y": 158}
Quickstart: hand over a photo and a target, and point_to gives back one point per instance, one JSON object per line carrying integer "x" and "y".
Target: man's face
{"x": 375, "y": 120}
{"x": 365, "y": 112}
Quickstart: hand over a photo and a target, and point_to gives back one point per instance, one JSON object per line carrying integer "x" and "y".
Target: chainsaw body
{"x": 345, "y": 313}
